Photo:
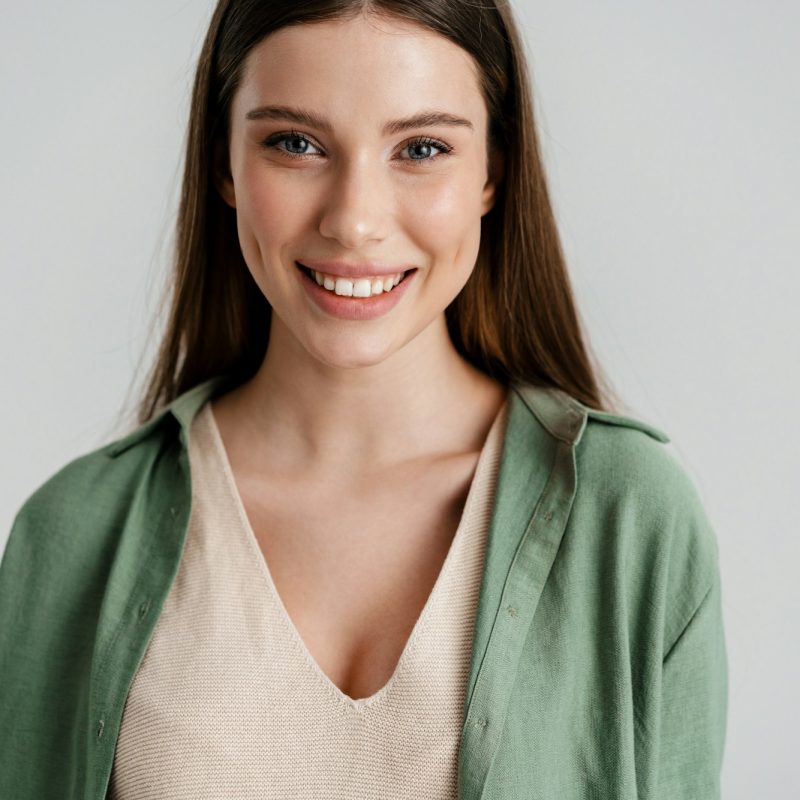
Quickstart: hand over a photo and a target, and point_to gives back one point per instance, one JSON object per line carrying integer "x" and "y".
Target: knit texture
{"x": 228, "y": 701}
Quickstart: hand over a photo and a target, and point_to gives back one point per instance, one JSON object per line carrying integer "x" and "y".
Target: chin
{"x": 353, "y": 355}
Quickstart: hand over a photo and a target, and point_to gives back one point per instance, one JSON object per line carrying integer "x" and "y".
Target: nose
{"x": 356, "y": 208}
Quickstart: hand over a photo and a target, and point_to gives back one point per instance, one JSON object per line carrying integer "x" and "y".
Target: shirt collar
{"x": 182, "y": 409}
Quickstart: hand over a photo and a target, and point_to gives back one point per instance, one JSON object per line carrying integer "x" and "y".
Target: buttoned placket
{"x": 491, "y": 685}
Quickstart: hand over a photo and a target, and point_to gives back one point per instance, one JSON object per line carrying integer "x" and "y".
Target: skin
{"x": 354, "y": 445}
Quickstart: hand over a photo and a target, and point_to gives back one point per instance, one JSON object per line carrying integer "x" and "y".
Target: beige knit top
{"x": 228, "y": 702}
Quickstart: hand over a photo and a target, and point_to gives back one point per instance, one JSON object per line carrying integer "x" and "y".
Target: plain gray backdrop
{"x": 671, "y": 134}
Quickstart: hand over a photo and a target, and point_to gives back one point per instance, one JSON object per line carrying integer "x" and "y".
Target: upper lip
{"x": 348, "y": 269}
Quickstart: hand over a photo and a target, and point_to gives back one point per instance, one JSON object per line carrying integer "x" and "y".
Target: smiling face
{"x": 343, "y": 183}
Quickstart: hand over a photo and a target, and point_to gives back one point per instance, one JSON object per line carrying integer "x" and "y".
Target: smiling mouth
{"x": 354, "y": 287}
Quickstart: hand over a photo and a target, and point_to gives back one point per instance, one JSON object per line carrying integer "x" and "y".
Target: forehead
{"x": 369, "y": 66}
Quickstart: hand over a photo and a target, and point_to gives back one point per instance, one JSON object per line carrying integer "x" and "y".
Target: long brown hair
{"x": 515, "y": 318}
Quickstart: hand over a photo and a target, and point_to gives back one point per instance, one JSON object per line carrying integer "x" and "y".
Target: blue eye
{"x": 294, "y": 138}
{"x": 426, "y": 141}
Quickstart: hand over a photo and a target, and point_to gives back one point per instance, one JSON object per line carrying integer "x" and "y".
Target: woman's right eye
{"x": 294, "y": 139}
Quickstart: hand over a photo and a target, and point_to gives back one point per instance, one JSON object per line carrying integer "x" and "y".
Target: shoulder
{"x": 618, "y": 457}
{"x": 99, "y": 473}
{"x": 75, "y": 509}
{"x": 653, "y": 512}
{"x": 627, "y": 458}
{"x": 94, "y": 490}
{"x": 636, "y": 508}
{"x": 627, "y": 461}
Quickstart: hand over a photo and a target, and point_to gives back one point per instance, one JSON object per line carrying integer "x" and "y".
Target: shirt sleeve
{"x": 694, "y": 700}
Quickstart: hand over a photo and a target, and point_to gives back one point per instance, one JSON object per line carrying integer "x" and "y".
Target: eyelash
{"x": 275, "y": 139}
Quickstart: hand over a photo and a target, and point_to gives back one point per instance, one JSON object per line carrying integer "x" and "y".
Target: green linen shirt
{"x": 598, "y": 665}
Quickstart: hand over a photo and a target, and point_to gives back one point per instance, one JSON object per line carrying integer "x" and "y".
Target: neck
{"x": 423, "y": 400}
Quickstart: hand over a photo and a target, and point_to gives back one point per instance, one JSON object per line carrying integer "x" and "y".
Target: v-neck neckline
{"x": 424, "y": 616}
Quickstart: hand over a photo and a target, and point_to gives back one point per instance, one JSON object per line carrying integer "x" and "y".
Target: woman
{"x": 378, "y": 533}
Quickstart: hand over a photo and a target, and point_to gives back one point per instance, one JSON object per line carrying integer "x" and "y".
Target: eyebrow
{"x": 423, "y": 119}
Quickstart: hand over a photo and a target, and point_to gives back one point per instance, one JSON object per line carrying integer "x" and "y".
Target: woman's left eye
{"x": 422, "y": 147}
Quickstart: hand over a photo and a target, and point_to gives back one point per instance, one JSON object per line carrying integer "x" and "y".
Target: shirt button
{"x": 143, "y": 608}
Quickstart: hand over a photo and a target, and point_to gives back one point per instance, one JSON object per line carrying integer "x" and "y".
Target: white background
{"x": 671, "y": 133}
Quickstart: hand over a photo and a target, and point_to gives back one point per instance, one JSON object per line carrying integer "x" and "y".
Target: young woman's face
{"x": 321, "y": 170}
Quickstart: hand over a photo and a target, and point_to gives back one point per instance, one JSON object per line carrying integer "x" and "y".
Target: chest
{"x": 354, "y": 568}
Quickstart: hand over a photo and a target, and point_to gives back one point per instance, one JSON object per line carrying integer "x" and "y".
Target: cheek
{"x": 268, "y": 215}
{"x": 270, "y": 210}
{"x": 446, "y": 223}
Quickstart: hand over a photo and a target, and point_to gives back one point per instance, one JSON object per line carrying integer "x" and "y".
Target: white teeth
{"x": 360, "y": 287}
{"x": 344, "y": 286}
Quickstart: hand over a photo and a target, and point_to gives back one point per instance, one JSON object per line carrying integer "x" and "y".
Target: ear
{"x": 221, "y": 173}
{"x": 496, "y": 175}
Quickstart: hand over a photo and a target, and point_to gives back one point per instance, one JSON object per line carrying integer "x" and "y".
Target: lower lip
{"x": 345, "y": 307}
